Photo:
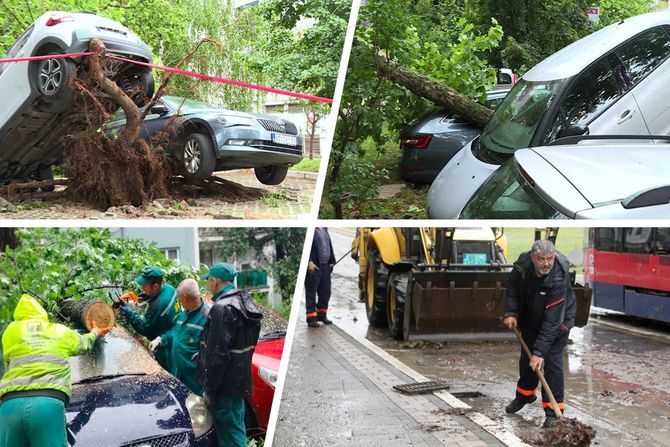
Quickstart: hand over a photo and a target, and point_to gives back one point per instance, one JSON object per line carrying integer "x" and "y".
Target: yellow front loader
{"x": 437, "y": 283}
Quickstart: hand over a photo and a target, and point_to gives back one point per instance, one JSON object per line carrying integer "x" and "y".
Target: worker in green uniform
{"x": 38, "y": 383}
{"x": 183, "y": 340}
{"x": 224, "y": 362}
{"x": 161, "y": 312}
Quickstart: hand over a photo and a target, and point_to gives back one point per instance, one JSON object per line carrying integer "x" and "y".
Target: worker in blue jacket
{"x": 161, "y": 313}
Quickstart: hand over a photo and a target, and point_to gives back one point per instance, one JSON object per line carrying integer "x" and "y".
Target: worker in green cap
{"x": 224, "y": 362}
{"x": 183, "y": 340}
{"x": 161, "y": 313}
{"x": 38, "y": 383}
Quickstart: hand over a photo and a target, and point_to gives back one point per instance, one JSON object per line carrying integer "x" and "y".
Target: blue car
{"x": 122, "y": 397}
{"x": 209, "y": 139}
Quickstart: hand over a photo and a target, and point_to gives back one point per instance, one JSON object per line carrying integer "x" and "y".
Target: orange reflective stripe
{"x": 312, "y": 314}
{"x": 561, "y": 405}
{"x": 322, "y": 310}
{"x": 525, "y": 392}
{"x": 555, "y": 303}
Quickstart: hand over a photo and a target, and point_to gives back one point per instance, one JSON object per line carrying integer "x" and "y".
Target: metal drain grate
{"x": 422, "y": 387}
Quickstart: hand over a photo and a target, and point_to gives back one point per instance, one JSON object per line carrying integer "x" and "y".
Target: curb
{"x": 303, "y": 175}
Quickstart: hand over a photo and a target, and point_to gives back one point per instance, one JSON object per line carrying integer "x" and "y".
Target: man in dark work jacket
{"x": 541, "y": 302}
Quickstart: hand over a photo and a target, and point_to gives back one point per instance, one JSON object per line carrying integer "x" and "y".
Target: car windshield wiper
{"x": 106, "y": 377}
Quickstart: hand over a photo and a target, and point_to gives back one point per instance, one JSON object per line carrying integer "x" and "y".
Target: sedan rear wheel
{"x": 199, "y": 158}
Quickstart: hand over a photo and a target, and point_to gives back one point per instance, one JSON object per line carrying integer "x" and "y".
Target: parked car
{"x": 264, "y": 371}
{"x": 122, "y": 397}
{"x": 613, "y": 81}
{"x": 429, "y": 142}
{"x": 38, "y": 113}
{"x": 209, "y": 139}
{"x": 605, "y": 181}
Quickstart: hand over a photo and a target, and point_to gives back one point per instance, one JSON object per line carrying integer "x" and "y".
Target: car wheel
{"x": 198, "y": 157}
{"x": 45, "y": 173}
{"x": 271, "y": 175}
{"x": 53, "y": 83}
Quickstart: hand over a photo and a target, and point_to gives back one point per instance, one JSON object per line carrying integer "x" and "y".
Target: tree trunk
{"x": 84, "y": 312}
{"x": 133, "y": 117}
{"x": 432, "y": 90}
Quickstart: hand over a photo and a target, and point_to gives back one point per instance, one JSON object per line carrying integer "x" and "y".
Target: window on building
{"x": 171, "y": 253}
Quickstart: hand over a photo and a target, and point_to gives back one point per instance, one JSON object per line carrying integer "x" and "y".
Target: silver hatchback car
{"x": 603, "y": 181}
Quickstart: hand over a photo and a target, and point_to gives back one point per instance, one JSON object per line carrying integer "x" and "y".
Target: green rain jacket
{"x": 36, "y": 352}
{"x": 160, "y": 315}
{"x": 183, "y": 343}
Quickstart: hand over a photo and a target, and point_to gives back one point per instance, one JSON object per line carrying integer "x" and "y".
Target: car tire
{"x": 45, "y": 173}
{"x": 52, "y": 80}
{"x": 198, "y": 156}
{"x": 271, "y": 175}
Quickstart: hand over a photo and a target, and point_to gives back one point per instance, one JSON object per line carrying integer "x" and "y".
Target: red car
{"x": 264, "y": 370}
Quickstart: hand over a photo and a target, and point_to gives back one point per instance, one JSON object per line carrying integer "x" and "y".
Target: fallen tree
{"x": 432, "y": 90}
{"x": 112, "y": 172}
{"x": 84, "y": 312}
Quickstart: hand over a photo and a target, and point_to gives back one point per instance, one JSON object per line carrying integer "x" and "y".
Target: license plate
{"x": 474, "y": 258}
{"x": 288, "y": 140}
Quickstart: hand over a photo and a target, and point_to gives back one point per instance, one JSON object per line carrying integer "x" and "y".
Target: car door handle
{"x": 625, "y": 116}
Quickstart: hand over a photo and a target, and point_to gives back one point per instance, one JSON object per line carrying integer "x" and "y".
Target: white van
{"x": 615, "y": 81}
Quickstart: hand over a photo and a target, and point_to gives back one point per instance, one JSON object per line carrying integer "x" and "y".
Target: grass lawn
{"x": 308, "y": 165}
{"x": 569, "y": 240}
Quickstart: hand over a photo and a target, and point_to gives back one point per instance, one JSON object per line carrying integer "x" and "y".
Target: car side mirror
{"x": 159, "y": 109}
{"x": 573, "y": 130}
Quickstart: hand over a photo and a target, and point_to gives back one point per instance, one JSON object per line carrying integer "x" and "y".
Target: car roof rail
{"x": 650, "y": 197}
{"x": 574, "y": 139}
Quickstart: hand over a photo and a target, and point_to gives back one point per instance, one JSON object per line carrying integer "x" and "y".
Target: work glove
{"x": 311, "y": 267}
{"x": 155, "y": 343}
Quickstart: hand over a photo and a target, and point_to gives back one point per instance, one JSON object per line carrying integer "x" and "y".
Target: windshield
{"x": 188, "y": 106}
{"x": 514, "y": 123}
{"x": 118, "y": 353}
{"x": 506, "y": 195}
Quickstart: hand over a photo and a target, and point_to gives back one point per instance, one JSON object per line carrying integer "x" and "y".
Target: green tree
{"x": 535, "y": 29}
{"x": 280, "y": 250}
{"x": 54, "y": 263}
{"x": 427, "y": 36}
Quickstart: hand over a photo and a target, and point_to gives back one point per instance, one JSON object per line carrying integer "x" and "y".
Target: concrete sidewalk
{"x": 338, "y": 392}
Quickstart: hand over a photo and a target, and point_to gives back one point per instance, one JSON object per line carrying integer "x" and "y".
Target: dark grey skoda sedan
{"x": 209, "y": 139}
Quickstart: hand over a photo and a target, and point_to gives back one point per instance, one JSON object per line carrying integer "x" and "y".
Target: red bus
{"x": 629, "y": 270}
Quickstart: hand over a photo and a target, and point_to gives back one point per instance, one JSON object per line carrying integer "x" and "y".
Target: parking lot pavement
{"x": 289, "y": 200}
{"x": 338, "y": 391}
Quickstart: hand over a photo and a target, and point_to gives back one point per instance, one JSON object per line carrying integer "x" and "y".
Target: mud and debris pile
{"x": 569, "y": 432}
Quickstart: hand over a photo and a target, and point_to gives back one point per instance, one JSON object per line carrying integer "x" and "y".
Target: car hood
{"x": 596, "y": 172}
{"x": 125, "y": 409}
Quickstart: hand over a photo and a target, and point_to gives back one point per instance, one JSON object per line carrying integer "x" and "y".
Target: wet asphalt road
{"x": 617, "y": 379}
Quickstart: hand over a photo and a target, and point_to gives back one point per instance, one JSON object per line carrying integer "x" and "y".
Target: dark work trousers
{"x": 553, "y": 372}
{"x": 317, "y": 283}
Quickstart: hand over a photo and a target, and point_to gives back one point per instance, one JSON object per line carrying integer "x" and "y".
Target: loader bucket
{"x": 447, "y": 305}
